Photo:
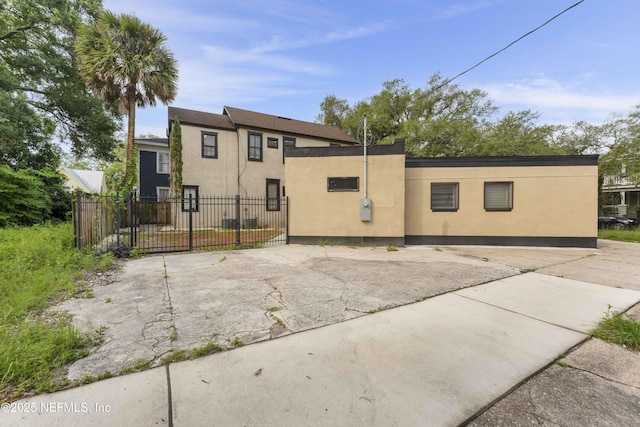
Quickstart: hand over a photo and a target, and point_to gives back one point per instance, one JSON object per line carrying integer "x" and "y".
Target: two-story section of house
{"x": 241, "y": 152}
{"x": 153, "y": 169}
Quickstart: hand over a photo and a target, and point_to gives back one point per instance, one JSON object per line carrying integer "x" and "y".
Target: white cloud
{"x": 463, "y": 9}
{"x": 560, "y": 102}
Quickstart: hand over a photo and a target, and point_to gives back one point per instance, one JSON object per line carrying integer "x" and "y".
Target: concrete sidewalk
{"x": 436, "y": 362}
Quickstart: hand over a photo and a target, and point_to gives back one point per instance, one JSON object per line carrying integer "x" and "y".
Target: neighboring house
{"x": 87, "y": 181}
{"x": 241, "y": 152}
{"x": 238, "y": 152}
{"x": 153, "y": 169}
{"x": 523, "y": 201}
{"x": 622, "y": 196}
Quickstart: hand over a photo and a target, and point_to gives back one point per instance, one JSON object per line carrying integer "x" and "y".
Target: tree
{"x": 175, "y": 154}
{"x": 125, "y": 62}
{"x": 30, "y": 197}
{"x": 623, "y": 157}
{"x": 440, "y": 120}
{"x": 41, "y": 93}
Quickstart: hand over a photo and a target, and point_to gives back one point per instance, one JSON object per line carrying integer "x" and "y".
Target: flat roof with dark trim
{"x": 502, "y": 161}
{"x": 374, "y": 150}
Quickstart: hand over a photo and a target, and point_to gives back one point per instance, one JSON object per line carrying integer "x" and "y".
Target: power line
{"x": 510, "y": 44}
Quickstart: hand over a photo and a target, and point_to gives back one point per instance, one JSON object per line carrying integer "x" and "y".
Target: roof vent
{"x": 283, "y": 118}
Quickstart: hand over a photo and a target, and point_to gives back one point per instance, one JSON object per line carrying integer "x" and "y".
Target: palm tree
{"x": 124, "y": 61}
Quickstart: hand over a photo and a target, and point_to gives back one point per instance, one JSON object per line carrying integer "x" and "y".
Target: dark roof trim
{"x": 200, "y": 119}
{"x": 501, "y": 161}
{"x": 375, "y": 150}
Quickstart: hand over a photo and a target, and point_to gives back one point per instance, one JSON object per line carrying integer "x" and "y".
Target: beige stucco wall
{"x": 548, "y": 201}
{"x": 314, "y": 211}
{"x": 214, "y": 177}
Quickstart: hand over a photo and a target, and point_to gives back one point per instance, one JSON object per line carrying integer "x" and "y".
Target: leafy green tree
{"x": 41, "y": 94}
{"x": 623, "y": 157}
{"x": 443, "y": 120}
{"x": 29, "y": 197}
{"x": 175, "y": 154}
{"x": 125, "y": 62}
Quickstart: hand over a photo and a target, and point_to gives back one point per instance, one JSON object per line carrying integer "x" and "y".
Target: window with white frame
{"x": 444, "y": 196}
{"x": 163, "y": 163}
{"x": 255, "y": 146}
{"x": 498, "y": 196}
{"x": 189, "y": 198}
{"x": 163, "y": 194}
{"x": 210, "y": 145}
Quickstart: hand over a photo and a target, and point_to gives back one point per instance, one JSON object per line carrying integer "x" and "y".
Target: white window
{"x": 498, "y": 196}
{"x": 163, "y": 194}
{"x": 190, "y": 194}
{"x": 444, "y": 196}
{"x": 163, "y": 163}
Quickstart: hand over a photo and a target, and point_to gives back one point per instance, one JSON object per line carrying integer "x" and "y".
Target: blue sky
{"x": 283, "y": 57}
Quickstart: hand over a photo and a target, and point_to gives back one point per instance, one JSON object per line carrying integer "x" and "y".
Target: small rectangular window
{"x": 273, "y": 194}
{"x": 190, "y": 198}
{"x": 255, "y": 147}
{"x": 210, "y": 145}
{"x": 287, "y": 141}
{"x": 498, "y": 196}
{"x": 163, "y": 163}
{"x": 272, "y": 142}
{"x": 343, "y": 184}
{"x": 444, "y": 196}
{"x": 162, "y": 194}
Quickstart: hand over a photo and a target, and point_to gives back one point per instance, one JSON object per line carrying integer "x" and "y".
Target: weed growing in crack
{"x": 98, "y": 336}
{"x": 618, "y": 329}
{"x": 392, "y": 248}
{"x": 224, "y": 258}
{"x": 174, "y": 333}
{"x": 527, "y": 270}
{"x": 236, "y": 342}
{"x": 174, "y": 356}
{"x": 274, "y": 309}
{"x": 210, "y": 347}
{"x": 137, "y": 366}
{"x": 91, "y": 379}
{"x": 108, "y": 300}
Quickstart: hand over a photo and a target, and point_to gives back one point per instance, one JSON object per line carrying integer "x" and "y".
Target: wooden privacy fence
{"x": 178, "y": 224}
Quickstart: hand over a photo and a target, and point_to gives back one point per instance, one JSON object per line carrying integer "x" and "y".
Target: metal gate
{"x": 109, "y": 223}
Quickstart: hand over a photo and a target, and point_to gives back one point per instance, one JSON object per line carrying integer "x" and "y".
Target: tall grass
{"x": 632, "y": 235}
{"x": 38, "y": 267}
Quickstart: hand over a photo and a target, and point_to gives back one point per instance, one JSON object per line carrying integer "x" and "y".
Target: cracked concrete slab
{"x": 184, "y": 301}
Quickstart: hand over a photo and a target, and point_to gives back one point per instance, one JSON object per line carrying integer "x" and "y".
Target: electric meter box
{"x": 365, "y": 209}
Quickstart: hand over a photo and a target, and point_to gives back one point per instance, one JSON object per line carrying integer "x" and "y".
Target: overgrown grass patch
{"x": 619, "y": 329}
{"x": 40, "y": 267}
{"x": 620, "y": 235}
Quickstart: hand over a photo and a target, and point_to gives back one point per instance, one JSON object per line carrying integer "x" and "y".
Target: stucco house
{"x": 521, "y": 201}
{"x": 238, "y": 152}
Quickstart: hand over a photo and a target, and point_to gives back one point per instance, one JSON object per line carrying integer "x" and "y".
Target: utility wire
{"x": 446, "y": 82}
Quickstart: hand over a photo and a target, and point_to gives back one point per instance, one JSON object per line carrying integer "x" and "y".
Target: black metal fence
{"x": 178, "y": 224}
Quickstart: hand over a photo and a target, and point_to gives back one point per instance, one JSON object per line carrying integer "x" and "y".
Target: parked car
{"x": 618, "y": 222}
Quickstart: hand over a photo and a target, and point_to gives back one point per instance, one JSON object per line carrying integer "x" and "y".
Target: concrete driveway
{"x": 163, "y": 304}
{"x": 483, "y": 354}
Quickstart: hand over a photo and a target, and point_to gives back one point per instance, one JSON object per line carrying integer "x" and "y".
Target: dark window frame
{"x": 251, "y": 149}
{"x": 272, "y": 142}
{"x": 202, "y": 144}
{"x": 270, "y": 200}
{"x": 456, "y": 196}
{"x": 185, "y": 199}
{"x": 339, "y": 184}
{"x": 286, "y": 142}
{"x": 509, "y": 204}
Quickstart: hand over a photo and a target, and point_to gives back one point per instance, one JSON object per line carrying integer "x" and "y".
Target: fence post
{"x": 118, "y": 219}
{"x": 238, "y": 219}
{"x": 79, "y": 219}
{"x": 132, "y": 217}
{"x": 286, "y": 220}
{"x": 190, "y": 222}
